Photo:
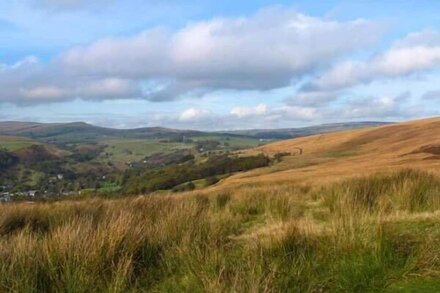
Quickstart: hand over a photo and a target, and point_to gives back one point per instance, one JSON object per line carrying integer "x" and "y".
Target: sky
{"x": 218, "y": 65}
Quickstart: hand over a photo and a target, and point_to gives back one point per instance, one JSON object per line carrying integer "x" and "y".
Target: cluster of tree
{"x": 164, "y": 159}
{"x": 142, "y": 180}
{"x": 35, "y": 154}
{"x": 36, "y": 168}
{"x": 87, "y": 154}
{"x": 7, "y": 160}
{"x": 207, "y": 145}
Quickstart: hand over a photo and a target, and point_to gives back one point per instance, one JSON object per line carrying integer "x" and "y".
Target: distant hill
{"x": 286, "y": 133}
{"x": 337, "y": 155}
{"x": 83, "y": 132}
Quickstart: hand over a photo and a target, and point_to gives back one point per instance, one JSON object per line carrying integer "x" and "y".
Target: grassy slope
{"x": 123, "y": 150}
{"x": 376, "y": 234}
{"x": 14, "y": 143}
{"x": 333, "y": 156}
{"x": 233, "y": 141}
{"x": 366, "y": 234}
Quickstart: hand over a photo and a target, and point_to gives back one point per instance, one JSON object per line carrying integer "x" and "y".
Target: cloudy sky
{"x": 213, "y": 65}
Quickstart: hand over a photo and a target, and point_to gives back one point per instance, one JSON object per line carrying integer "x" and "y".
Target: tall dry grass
{"x": 367, "y": 234}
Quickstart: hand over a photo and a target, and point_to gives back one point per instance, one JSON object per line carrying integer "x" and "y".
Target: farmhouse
{"x": 5, "y": 197}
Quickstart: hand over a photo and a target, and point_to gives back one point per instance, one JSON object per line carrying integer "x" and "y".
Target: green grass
{"x": 373, "y": 234}
{"x": 234, "y": 142}
{"x": 35, "y": 178}
{"x": 15, "y": 145}
{"x": 422, "y": 285}
{"x": 122, "y": 151}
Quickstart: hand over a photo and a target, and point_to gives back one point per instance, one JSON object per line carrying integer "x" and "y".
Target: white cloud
{"x": 43, "y": 92}
{"x": 28, "y": 81}
{"x": 296, "y": 113}
{"x": 258, "y": 116}
{"x": 218, "y": 54}
{"x": 378, "y": 107}
{"x": 241, "y": 112}
{"x": 417, "y": 52}
{"x": 225, "y": 53}
{"x": 194, "y": 115}
{"x": 314, "y": 98}
{"x": 109, "y": 88}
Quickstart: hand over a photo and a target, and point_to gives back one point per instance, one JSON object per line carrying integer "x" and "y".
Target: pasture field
{"x": 121, "y": 151}
{"x": 12, "y": 143}
{"x": 232, "y": 141}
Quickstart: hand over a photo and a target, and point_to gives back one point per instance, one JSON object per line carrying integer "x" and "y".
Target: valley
{"x": 76, "y": 159}
{"x": 349, "y": 211}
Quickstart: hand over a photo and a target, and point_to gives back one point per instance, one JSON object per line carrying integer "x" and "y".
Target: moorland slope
{"x": 375, "y": 233}
{"x": 334, "y": 156}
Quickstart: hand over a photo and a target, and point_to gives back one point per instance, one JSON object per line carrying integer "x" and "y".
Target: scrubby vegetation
{"x": 7, "y": 160}
{"x": 142, "y": 180}
{"x": 85, "y": 158}
{"x": 378, "y": 233}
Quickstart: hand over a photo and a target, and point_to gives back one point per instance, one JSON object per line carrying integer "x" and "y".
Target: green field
{"x": 11, "y": 143}
{"x": 233, "y": 141}
{"x": 122, "y": 151}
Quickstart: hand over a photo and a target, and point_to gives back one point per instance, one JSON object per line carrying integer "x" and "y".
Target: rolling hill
{"x": 80, "y": 131}
{"x": 300, "y": 225}
{"x": 13, "y": 143}
{"x": 335, "y": 156}
{"x": 286, "y": 133}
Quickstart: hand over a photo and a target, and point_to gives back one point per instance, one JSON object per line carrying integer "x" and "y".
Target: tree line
{"x": 145, "y": 180}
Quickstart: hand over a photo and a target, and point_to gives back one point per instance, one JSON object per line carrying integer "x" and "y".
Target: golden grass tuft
{"x": 365, "y": 234}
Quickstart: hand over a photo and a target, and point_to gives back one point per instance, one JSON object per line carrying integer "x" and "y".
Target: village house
{"x": 5, "y": 197}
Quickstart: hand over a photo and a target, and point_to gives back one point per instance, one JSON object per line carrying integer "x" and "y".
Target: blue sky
{"x": 214, "y": 65}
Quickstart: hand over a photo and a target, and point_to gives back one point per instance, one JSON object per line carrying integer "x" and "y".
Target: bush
{"x": 7, "y": 160}
{"x": 408, "y": 190}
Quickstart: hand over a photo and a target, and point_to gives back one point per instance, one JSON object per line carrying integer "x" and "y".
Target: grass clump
{"x": 407, "y": 190}
{"x": 362, "y": 235}
{"x": 222, "y": 200}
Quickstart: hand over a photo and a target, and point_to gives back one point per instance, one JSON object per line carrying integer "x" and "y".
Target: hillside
{"x": 286, "y": 133}
{"x": 80, "y": 131}
{"x": 333, "y": 156}
{"x": 13, "y": 143}
{"x": 77, "y": 132}
{"x": 297, "y": 225}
